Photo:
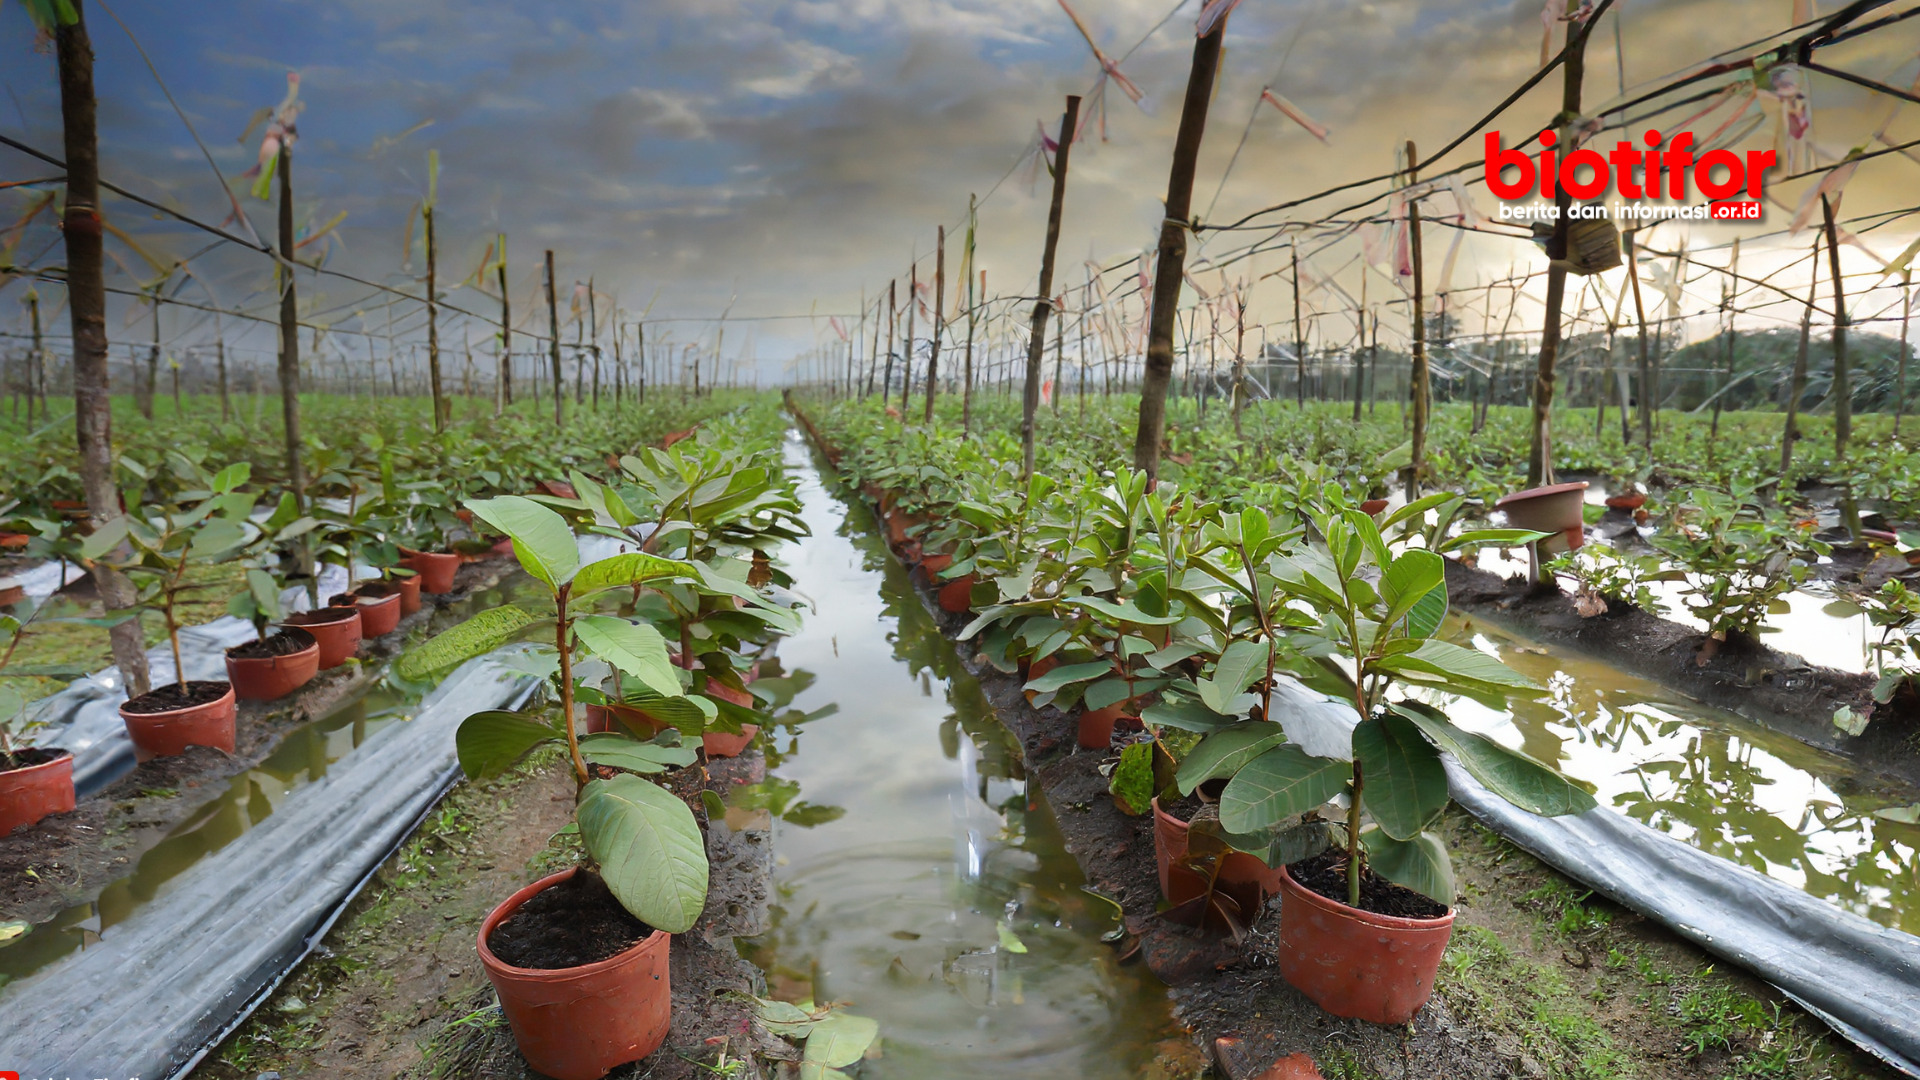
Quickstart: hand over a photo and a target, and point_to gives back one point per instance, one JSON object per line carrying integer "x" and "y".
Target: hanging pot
{"x": 579, "y": 1023}
{"x": 164, "y": 734}
{"x": 1355, "y": 963}
{"x": 436, "y": 568}
{"x": 267, "y": 678}
{"x": 337, "y": 629}
{"x": 41, "y": 786}
{"x": 1555, "y": 508}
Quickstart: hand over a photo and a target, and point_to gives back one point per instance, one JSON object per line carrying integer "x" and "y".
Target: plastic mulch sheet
{"x": 159, "y": 988}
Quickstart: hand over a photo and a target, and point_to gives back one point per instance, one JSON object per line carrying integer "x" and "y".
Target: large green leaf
{"x": 1224, "y": 752}
{"x": 1127, "y": 612}
{"x": 1241, "y": 663}
{"x": 483, "y": 632}
{"x": 1421, "y": 864}
{"x": 837, "y": 1040}
{"x": 1185, "y": 713}
{"x": 488, "y": 743}
{"x": 633, "y": 647}
{"x": 1405, "y": 785}
{"x": 1284, "y": 782}
{"x": 1408, "y": 579}
{"x": 649, "y": 849}
{"x": 626, "y": 570}
{"x": 542, "y": 541}
{"x": 1068, "y": 674}
{"x": 1510, "y": 774}
{"x": 1455, "y": 669}
{"x": 622, "y": 752}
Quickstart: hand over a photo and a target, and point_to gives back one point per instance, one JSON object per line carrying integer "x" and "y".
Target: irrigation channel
{"x": 941, "y": 899}
{"x": 942, "y": 903}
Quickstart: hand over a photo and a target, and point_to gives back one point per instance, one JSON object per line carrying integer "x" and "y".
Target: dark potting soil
{"x": 1184, "y": 807}
{"x": 28, "y": 757}
{"x": 170, "y": 698}
{"x": 1326, "y": 875}
{"x": 570, "y": 924}
{"x": 281, "y": 644}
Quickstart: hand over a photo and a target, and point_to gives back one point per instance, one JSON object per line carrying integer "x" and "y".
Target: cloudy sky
{"x": 780, "y": 157}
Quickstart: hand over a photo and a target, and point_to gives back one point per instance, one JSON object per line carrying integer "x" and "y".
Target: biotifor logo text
{"x": 1636, "y": 175}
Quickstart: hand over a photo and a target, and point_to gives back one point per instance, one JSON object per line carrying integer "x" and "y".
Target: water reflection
{"x": 1727, "y": 786}
{"x": 916, "y": 905}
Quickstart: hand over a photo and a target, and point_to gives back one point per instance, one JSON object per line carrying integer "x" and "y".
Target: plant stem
{"x": 562, "y": 631}
{"x": 1353, "y": 840}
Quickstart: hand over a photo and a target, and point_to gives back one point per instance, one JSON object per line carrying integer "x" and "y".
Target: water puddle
{"x": 302, "y": 757}
{"x": 942, "y": 903}
{"x": 1727, "y": 786}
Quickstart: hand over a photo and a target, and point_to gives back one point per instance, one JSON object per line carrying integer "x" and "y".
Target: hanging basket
{"x": 1592, "y": 247}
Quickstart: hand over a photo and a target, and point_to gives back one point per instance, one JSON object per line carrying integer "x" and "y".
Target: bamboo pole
{"x": 1299, "y": 332}
{"x": 1842, "y": 376}
{"x": 906, "y": 353}
{"x": 1418, "y": 378}
{"x": 1646, "y": 347}
{"x": 1797, "y": 383}
{"x": 441, "y": 406}
{"x": 1170, "y": 265}
{"x": 893, "y": 320}
{"x": 503, "y": 399}
{"x": 939, "y": 320}
{"x": 1726, "y": 305}
{"x": 553, "y": 345}
{"x": 1540, "y": 453}
{"x": 1037, "y": 337}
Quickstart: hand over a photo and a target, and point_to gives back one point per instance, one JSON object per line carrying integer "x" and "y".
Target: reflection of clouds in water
{"x": 1711, "y": 779}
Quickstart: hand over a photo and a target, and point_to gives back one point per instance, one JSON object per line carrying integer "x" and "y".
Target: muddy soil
{"x": 397, "y": 990}
{"x": 67, "y": 859}
{"x": 1775, "y": 689}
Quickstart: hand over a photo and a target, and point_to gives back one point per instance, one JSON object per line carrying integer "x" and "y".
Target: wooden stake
{"x": 441, "y": 406}
{"x": 1417, "y": 378}
{"x": 1170, "y": 266}
{"x": 1726, "y": 305}
{"x": 1797, "y": 384}
{"x": 939, "y": 320}
{"x": 553, "y": 344}
{"x": 1037, "y": 336}
{"x": 1540, "y": 454}
{"x": 504, "y": 398}
{"x": 1842, "y": 376}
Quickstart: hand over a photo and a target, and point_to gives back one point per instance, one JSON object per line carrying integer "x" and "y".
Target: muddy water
{"x": 302, "y": 757}
{"x": 941, "y": 903}
{"x": 1715, "y": 780}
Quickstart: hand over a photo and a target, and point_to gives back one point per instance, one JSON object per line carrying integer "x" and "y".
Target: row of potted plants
{"x": 1270, "y": 680}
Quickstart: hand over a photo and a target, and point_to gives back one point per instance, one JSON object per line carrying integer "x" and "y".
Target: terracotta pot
{"x": 267, "y": 678}
{"x": 409, "y": 586}
{"x": 1372, "y": 506}
{"x": 12, "y": 594}
{"x": 1354, "y": 963}
{"x": 1551, "y": 509}
{"x": 29, "y": 794}
{"x": 1096, "y": 726}
{"x": 337, "y": 629}
{"x": 934, "y": 564}
{"x": 379, "y": 609}
{"x": 1244, "y": 877}
{"x": 579, "y": 1023}
{"x": 1626, "y": 502}
{"x": 956, "y": 596}
{"x": 719, "y": 743}
{"x": 13, "y": 541}
{"x": 1036, "y": 669}
{"x": 168, "y": 733}
{"x": 435, "y": 568}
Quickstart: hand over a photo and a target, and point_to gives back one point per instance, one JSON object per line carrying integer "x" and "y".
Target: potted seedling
{"x": 1364, "y": 922}
{"x": 343, "y": 543}
{"x": 579, "y": 958}
{"x": 35, "y": 781}
{"x": 197, "y": 525}
{"x": 421, "y": 523}
{"x": 275, "y": 663}
{"x": 1741, "y": 558}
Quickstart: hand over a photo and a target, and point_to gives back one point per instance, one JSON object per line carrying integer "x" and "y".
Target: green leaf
{"x": 1421, "y": 864}
{"x": 1241, "y": 663}
{"x": 1284, "y": 782}
{"x": 13, "y": 930}
{"x": 1490, "y": 538}
{"x": 1132, "y": 780}
{"x": 232, "y": 476}
{"x": 1224, "y": 752}
{"x": 1456, "y": 669}
{"x": 1184, "y": 713}
{"x": 1851, "y": 722}
{"x": 1104, "y": 693}
{"x": 621, "y": 752}
{"x": 542, "y": 541}
{"x": 1510, "y": 774}
{"x": 649, "y": 849}
{"x": 1406, "y": 786}
{"x": 1009, "y": 940}
{"x": 107, "y": 537}
{"x": 483, "y": 632}
{"x": 488, "y": 743}
{"x": 839, "y": 1040}
{"x": 635, "y": 648}
{"x": 1068, "y": 674}
{"x": 625, "y": 571}
{"x": 1127, "y": 612}
{"x": 1410, "y": 578}
{"x": 1900, "y": 815}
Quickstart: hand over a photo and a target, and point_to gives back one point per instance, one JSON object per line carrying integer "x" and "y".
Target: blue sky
{"x": 782, "y": 156}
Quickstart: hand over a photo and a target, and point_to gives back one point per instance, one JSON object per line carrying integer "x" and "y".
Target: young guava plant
{"x": 643, "y": 840}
